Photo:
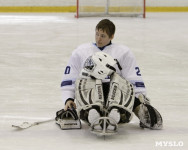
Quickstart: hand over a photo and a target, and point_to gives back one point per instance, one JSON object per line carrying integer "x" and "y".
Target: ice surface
{"x": 34, "y": 49}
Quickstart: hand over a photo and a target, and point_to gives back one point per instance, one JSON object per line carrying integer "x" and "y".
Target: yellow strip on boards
{"x": 166, "y": 9}
{"x": 38, "y": 9}
{"x": 46, "y": 9}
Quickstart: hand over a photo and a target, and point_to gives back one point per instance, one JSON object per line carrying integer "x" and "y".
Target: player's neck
{"x": 101, "y": 48}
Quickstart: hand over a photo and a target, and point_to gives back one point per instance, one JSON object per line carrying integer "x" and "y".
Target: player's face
{"x": 102, "y": 38}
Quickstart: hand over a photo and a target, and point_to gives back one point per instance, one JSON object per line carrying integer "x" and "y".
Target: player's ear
{"x": 112, "y": 37}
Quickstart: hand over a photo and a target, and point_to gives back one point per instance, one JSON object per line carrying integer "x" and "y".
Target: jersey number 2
{"x": 137, "y": 71}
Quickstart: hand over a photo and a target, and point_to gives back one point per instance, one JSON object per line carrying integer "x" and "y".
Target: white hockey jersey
{"x": 130, "y": 71}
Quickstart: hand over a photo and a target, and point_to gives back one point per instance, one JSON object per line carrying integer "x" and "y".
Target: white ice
{"x": 34, "y": 49}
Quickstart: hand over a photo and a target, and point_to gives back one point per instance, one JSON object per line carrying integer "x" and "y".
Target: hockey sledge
{"x": 104, "y": 126}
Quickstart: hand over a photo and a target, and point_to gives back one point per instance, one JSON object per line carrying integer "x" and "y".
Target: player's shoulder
{"x": 83, "y": 47}
{"x": 120, "y": 48}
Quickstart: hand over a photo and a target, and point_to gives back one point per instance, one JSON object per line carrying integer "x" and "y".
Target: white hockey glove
{"x": 148, "y": 115}
{"x": 68, "y": 119}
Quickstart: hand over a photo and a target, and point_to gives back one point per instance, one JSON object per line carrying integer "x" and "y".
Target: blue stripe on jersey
{"x": 139, "y": 84}
{"x": 64, "y": 83}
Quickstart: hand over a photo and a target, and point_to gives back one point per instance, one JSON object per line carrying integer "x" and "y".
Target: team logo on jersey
{"x": 89, "y": 64}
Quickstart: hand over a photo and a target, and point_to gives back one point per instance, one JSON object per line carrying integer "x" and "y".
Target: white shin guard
{"x": 121, "y": 95}
{"x": 89, "y": 94}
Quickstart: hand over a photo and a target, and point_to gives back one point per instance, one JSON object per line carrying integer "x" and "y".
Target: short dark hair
{"x": 107, "y": 26}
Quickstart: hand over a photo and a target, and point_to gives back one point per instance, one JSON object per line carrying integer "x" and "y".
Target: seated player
{"x": 128, "y": 99}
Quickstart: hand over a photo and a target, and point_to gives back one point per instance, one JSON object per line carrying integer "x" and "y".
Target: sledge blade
{"x": 104, "y": 126}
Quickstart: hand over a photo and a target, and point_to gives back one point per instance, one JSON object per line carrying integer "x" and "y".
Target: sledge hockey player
{"x": 103, "y": 83}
